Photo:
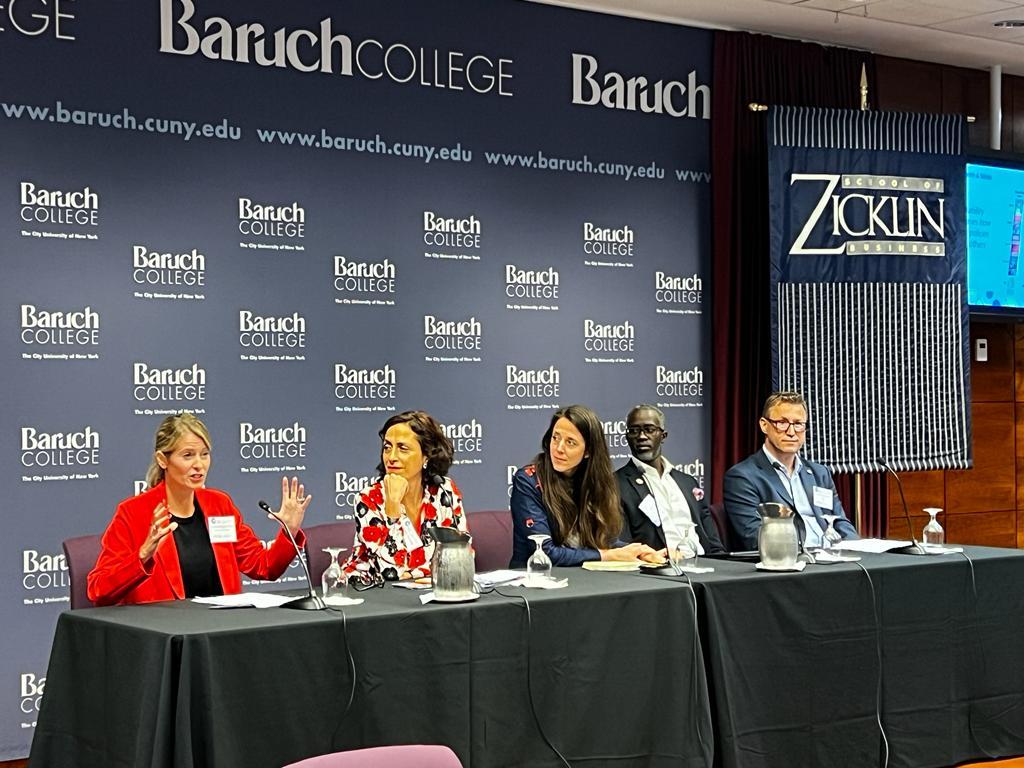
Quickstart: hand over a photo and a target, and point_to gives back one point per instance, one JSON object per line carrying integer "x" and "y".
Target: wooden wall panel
{"x": 992, "y": 483}
{"x": 991, "y": 529}
{"x": 993, "y": 381}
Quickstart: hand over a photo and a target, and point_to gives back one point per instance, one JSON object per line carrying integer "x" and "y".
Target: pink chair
{"x": 340, "y": 534}
{"x": 492, "y": 538}
{"x": 81, "y": 554}
{"x": 407, "y": 756}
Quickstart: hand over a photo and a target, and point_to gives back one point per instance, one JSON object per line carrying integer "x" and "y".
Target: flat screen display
{"x": 995, "y": 206}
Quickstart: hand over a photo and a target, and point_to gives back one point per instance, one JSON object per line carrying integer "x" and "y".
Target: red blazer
{"x": 119, "y": 577}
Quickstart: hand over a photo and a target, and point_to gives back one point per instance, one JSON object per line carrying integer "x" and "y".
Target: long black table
{"x": 794, "y": 659}
{"x": 616, "y": 672}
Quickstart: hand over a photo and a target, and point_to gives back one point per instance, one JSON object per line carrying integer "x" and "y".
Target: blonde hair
{"x": 170, "y": 431}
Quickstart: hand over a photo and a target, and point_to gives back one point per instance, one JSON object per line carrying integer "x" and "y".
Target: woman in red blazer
{"x": 180, "y": 539}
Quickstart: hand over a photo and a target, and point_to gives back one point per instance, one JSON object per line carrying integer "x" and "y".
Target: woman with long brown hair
{"x": 570, "y": 493}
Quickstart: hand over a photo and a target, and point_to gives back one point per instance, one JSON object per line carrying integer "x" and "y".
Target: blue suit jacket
{"x": 754, "y": 481}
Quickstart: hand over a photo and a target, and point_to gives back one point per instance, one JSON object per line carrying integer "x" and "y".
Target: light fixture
{"x": 1009, "y": 23}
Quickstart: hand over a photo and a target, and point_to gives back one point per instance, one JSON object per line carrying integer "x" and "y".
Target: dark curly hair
{"x": 437, "y": 448}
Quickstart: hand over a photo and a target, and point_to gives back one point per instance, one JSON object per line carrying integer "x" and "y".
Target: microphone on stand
{"x": 312, "y": 601}
{"x": 915, "y": 548}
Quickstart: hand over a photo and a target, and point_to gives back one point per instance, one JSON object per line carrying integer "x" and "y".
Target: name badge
{"x": 222, "y": 529}
{"x": 650, "y": 508}
{"x": 823, "y": 497}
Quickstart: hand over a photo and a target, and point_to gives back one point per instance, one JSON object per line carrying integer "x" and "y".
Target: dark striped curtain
{"x": 757, "y": 68}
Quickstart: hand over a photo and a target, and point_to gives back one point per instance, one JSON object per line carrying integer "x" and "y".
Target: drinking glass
{"x": 333, "y": 583}
{"x": 686, "y": 550}
{"x": 538, "y": 567}
{"x": 933, "y": 533}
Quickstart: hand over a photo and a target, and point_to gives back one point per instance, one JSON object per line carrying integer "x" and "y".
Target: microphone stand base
{"x": 307, "y": 603}
{"x": 913, "y": 549}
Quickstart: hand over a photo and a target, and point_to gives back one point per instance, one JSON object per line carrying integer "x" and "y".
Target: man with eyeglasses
{"x": 777, "y": 473}
{"x": 656, "y": 496}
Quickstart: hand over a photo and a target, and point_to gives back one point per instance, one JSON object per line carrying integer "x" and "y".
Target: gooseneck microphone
{"x": 915, "y": 548}
{"x": 312, "y": 601}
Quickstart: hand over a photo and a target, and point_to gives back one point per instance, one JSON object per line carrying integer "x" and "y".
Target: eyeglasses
{"x": 648, "y": 429}
{"x": 783, "y": 425}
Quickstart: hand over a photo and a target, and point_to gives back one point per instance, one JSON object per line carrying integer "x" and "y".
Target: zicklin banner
{"x": 868, "y": 281}
{"x": 296, "y": 219}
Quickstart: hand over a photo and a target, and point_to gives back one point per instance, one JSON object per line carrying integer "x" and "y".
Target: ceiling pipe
{"x": 995, "y": 100}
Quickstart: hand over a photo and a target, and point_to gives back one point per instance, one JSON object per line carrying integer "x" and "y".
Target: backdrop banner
{"x": 296, "y": 219}
{"x": 868, "y": 284}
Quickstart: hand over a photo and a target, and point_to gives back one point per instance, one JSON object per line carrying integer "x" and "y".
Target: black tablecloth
{"x": 793, "y": 661}
{"x": 617, "y": 680}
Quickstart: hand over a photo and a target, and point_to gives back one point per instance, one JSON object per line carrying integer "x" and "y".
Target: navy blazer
{"x": 754, "y": 480}
{"x": 530, "y": 516}
{"x": 633, "y": 488}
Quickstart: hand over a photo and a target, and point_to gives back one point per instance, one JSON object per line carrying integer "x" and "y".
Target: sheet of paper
{"x": 245, "y": 600}
{"x": 875, "y": 546}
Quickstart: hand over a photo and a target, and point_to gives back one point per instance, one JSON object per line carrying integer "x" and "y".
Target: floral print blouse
{"x": 388, "y": 549}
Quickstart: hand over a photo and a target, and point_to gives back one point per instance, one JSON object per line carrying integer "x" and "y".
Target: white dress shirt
{"x": 671, "y": 504}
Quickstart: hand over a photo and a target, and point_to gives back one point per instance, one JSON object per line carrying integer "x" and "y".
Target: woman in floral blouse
{"x": 394, "y": 515}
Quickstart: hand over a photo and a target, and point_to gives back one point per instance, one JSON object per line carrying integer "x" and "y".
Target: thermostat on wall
{"x": 981, "y": 350}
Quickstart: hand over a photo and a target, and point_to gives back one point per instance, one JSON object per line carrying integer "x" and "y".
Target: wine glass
{"x": 538, "y": 567}
{"x": 831, "y": 537}
{"x": 933, "y": 533}
{"x": 686, "y": 550}
{"x": 333, "y": 583}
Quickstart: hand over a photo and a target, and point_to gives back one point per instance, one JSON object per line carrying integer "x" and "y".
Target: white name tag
{"x": 823, "y": 497}
{"x": 650, "y": 508}
{"x": 222, "y": 529}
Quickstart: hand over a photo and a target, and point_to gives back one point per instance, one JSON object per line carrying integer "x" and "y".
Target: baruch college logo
{"x": 637, "y": 93}
{"x": 41, "y": 207}
{"x": 364, "y": 282}
{"x": 529, "y": 389}
{"x": 325, "y": 49}
{"x": 695, "y": 468}
{"x": 678, "y": 294}
{"x": 44, "y": 577}
{"x": 274, "y": 448}
{"x": 455, "y": 340}
{"x": 49, "y": 456}
{"x": 531, "y": 289}
{"x": 31, "y": 687}
{"x": 679, "y": 388}
{"x": 451, "y": 237}
{"x": 860, "y": 214}
{"x": 271, "y": 220}
{"x": 46, "y": 330}
{"x": 364, "y": 389}
{"x": 615, "y": 436}
{"x": 180, "y": 388}
{"x": 160, "y": 271}
{"x": 510, "y": 473}
{"x": 271, "y": 337}
{"x": 608, "y": 342}
{"x": 467, "y": 441}
{"x": 608, "y": 246}
{"x": 346, "y": 492}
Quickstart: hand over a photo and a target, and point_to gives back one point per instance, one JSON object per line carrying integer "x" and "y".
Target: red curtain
{"x": 766, "y": 70}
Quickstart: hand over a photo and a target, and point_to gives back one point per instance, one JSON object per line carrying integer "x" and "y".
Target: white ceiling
{"x": 958, "y": 32}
